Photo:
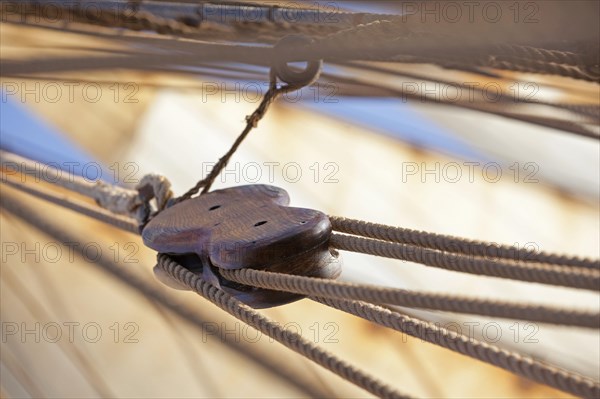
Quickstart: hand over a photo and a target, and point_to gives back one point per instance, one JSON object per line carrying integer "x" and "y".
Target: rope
{"x": 251, "y": 123}
{"x": 122, "y": 201}
{"x": 152, "y": 293}
{"x": 565, "y": 126}
{"x": 393, "y": 296}
{"x": 516, "y": 363}
{"x": 540, "y": 54}
{"x": 391, "y": 41}
{"x": 545, "y": 68}
{"x": 382, "y": 38}
{"x": 190, "y": 20}
{"x": 266, "y": 326}
{"x": 545, "y": 274}
{"x": 454, "y": 244}
{"x": 83, "y": 208}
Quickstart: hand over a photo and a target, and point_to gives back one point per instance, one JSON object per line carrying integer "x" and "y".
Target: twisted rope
{"x": 102, "y": 215}
{"x": 515, "y": 363}
{"x": 545, "y": 274}
{"x": 284, "y": 336}
{"x": 380, "y": 37}
{"x": 540, "y": 54}
{"x": 393, "y": 296}
{"x": 544, "y": 68}
{"x": 132, "y": 203}
{"x": 190, "y": 20}
{"x": 455, "y": 244}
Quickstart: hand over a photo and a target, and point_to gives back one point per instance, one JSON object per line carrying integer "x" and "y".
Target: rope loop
{"x": 151, "y": 186}
{"x": 289, "y": 75}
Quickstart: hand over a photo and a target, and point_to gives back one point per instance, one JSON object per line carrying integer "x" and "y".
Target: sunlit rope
{"x": 566, "y": 276}
{"x": 251, "y": 123}
{"x": 524, "y": 366}
{"x": 266, "y": 326}
{"x": 455, "y": 244}
{"x": 122, "y": 201}
{"x": 312, "y": 286}
{"x": 100, "y": 214}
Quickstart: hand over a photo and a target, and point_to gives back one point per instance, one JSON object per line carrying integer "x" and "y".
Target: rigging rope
{"x": 362, "y": 36}
{"x": 268, "y": 327}
{"x": 454, "y": 244}
{"x": 122, "y": 201}
{"x": 540, "y": 54}
{"x": 390, "y": 41}
{"x": 524, "y": 366}
{"x": 320, "y": 287}
{"x": 73, "y": 204}
{"x": 565, "y": 276}
{"x": 566, "y": 126}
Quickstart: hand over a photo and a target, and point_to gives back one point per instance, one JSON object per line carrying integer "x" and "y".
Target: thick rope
{"x": 194, "y": 24}
{"x": 352, "y": 41}
{"x": 312, "y": 286}
{"x": 119, "y": 200}
{"x": 543, "y": 68}
{"x": 387, "y": 40}
{"x": 454, "y": 244}
{"x": 266, "y": 326}
{"x": 540, "y": 54}
{"x": 516, "y": 363}
{"x": 102, "y": 215}
{"x": 565, "y": 276}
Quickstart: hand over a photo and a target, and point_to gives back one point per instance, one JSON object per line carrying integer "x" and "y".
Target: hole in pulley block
{"x": 260, "y": 223}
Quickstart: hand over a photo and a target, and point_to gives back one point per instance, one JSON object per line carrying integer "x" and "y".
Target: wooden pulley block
{"x": 245, "y": 227}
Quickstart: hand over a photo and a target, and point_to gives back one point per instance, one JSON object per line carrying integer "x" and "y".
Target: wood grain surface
{"x": 246, "y": 226}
